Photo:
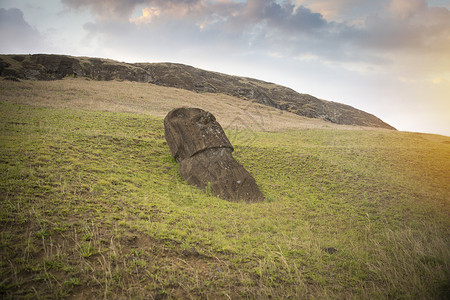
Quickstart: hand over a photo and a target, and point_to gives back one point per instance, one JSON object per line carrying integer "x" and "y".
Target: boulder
{"x": 198, "y": 142}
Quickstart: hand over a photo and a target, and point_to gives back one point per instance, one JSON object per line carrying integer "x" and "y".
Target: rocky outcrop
{"x": 100, "y": 69}
{"x": 40, "y": 67}
{"x": 204, "y": 153}
{"x": 49, "y": 67}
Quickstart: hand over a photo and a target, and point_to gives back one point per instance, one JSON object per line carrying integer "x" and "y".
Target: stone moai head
{"x": 198, "y": 142}
{"x": 191, "y": 130}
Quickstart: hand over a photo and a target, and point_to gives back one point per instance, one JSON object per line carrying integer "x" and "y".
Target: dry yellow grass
{"x": 144, "y": 98}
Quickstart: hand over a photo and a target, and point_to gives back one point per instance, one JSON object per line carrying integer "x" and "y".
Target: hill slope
{"x": 47, "y": 67}
{"x": 91, "y": 204}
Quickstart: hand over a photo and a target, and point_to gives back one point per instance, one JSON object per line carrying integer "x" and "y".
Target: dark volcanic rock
{"x": 198, "y": 142}
{"x": 6, "y": 71}
{"x": 51, "y": 67}
{"x": 19, "y": 58}
{"x": 57, "y": 66}
{"x": 11, "y": 78}
{"x": 101, "y": 69}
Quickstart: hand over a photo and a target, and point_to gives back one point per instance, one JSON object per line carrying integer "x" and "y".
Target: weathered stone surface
{"x": 198, "y": 142}
{"x": 191, "y": 130}
{"x": 216, "y": 168}
{"x": 57, "y": 66}
{"x": 101, "y": 69}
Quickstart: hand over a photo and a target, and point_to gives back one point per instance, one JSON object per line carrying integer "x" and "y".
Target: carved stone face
{"x": 192, "y": 130}
{"x": 199, "y": 144}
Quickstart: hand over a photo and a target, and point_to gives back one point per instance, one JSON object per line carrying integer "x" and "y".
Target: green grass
{"x": 92, "y": 206}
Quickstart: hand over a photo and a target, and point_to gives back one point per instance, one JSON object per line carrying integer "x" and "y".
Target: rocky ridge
{"x": 53, "y": 67}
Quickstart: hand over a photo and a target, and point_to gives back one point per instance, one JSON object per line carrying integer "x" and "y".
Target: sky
{"x": 390, "y": 58}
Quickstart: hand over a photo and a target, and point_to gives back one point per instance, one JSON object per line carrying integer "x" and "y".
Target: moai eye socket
{"x": 177, "y": 113}
{"x": 204, "y": 118}
{"x": 180, "y": 114}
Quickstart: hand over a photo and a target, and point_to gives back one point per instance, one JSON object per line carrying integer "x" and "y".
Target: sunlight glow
{"x": 147, "y": 15}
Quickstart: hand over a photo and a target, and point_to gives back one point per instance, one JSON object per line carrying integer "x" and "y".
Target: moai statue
{"x": 203, "y": 151}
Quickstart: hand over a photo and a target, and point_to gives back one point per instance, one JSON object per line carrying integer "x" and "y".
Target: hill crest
{"x": 51, "y": 67}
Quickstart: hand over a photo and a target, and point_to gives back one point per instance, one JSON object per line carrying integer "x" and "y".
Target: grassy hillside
{"x": 92, "y": 205}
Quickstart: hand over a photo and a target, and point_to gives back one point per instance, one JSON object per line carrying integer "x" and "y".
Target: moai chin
{"x": 204, "y": 153}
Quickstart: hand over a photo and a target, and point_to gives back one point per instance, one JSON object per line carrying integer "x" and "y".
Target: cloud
{"x": 252, "y": 26}
{"x": 147, "y": 15}
{"x": 284, "y": 17}
{"x": 16, "y": 34}
{"x": 106, "y": 9}
{"x": 407, "y": 8}
{"x": 251, "y": 13}
{"x": 412, "y": 35}
{"x": 382, "y": 35}
{"x": 341, "y": 10}
{"x": 123, "y": 9}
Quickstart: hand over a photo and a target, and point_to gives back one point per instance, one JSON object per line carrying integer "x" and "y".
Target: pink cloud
{"x": 407, "y": 8}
